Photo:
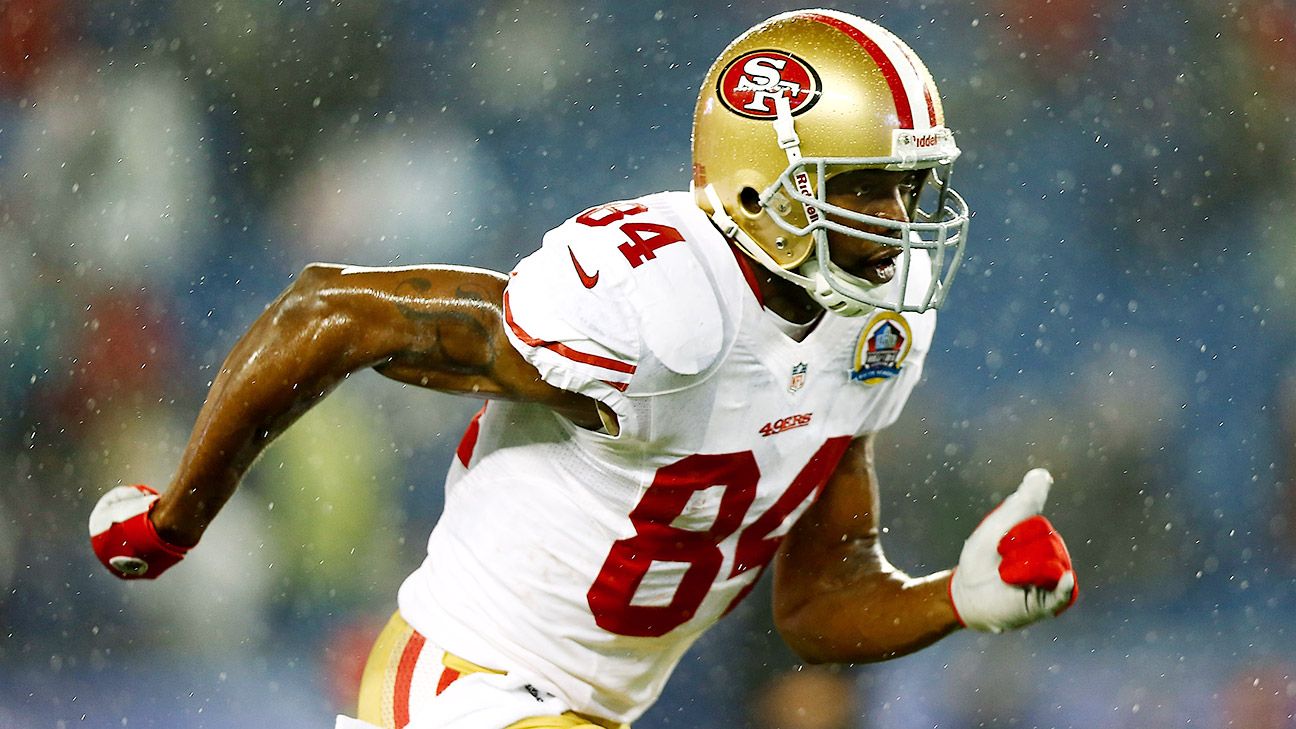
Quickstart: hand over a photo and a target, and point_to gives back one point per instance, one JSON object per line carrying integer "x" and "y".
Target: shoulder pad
{"x": 642, "y": 253}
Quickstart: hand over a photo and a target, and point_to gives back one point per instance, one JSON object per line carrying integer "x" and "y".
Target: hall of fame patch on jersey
{"x": 881, "y": 348}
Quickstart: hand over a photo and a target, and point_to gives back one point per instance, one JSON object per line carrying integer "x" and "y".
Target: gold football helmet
{"x": 805, "y": 96}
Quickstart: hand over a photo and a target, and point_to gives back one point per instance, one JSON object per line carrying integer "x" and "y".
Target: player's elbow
{"x": 817, "y": 646}
{"x": 807, "y": 631}
{"x": 823, "y": 632}
{"x": 313, "y": 281}
{"x": 308, "y": 295}
{"x": 314, "y": 309}
{"x": 809, "y": 645}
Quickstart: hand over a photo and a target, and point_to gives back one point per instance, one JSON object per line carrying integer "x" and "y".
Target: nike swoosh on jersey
{"x": 586, "y": 280}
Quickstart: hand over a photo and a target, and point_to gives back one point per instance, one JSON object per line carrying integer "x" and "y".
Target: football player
{"x": 682, "y": 390}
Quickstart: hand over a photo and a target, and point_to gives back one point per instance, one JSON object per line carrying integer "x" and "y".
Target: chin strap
{"x": 828, "y": 297}
{"x": 785, "y": 128}
{"x": 790, "y": 143}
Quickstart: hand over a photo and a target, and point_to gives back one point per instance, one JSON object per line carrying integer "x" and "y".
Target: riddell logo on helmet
{"x": 750, "y": 83}
{"x": 802, "y": 181}
{"x": 910, "y": 144}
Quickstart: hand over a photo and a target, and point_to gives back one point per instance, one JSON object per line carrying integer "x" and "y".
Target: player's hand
{"x": 123, "y": 536}
{"x": 1015, "y": 568}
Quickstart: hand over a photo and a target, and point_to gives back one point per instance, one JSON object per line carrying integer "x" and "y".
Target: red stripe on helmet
{"x": 901, "y": 96}
{"x": 927, "y": 89}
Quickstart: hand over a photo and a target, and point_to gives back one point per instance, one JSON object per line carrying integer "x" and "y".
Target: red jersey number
{"x": 597, "y": 217}
{"x": 612, "y": 596}
{"x": 645, "y": 238}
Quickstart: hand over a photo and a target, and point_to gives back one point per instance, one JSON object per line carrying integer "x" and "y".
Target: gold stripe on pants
{"x": 385, "y": 685}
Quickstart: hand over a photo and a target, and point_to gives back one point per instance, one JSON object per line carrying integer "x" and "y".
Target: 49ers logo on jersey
{"x": 778, "y": 426}
{"x": 749, "y": 84}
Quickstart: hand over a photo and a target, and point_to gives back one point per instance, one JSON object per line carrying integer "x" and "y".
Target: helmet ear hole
{"x": 749, "y": 201}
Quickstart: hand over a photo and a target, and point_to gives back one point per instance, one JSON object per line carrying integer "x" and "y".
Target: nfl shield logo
{"x": 798, "y": 377}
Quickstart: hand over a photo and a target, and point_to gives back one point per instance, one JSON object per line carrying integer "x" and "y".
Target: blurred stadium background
{"x": 167, "y": 166}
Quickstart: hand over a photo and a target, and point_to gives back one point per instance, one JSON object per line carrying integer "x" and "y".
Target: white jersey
{"x": 592, "y": 562}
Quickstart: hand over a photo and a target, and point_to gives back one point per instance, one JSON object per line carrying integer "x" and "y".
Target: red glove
{"x": 123, "y": 536}
{"x": 1015, "y": 568}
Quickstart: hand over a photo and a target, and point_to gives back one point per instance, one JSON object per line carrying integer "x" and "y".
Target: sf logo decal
{"x": 749, "y": 84}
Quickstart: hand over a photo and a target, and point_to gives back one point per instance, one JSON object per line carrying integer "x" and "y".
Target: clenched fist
{"x": 1015, "y": 568}
{"x": 123, "y": 537}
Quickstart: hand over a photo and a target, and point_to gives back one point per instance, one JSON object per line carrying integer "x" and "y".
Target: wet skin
{"x": 872, "y": 192}
{"x": 880, "y": 193}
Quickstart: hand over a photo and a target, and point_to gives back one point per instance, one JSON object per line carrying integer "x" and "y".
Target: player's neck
{"x": 786, "y": 299}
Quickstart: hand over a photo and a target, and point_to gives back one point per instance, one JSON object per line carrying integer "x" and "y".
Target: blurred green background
{"x": 1123, "y": 318}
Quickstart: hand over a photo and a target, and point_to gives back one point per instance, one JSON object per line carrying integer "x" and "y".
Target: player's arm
{"x": 838, "y": 599}
{"x": 436, "y": 327}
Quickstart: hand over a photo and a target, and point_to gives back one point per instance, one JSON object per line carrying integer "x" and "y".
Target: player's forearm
{"x": 291, "y": 357}
{"x": 836, "y": 596}
{"x": 863, "y": 611}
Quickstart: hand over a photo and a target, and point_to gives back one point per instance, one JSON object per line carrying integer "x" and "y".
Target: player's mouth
{"x": 881, "y": 269}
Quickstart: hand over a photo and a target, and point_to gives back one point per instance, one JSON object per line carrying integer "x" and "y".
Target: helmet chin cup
{"x": 828, "y": 297}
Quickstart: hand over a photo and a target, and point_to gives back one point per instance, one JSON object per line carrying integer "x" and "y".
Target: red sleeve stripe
{"x": 590, "y": 359}
{"x": 904, "y": 107}
{"x": 469, "y": 441}
{"x": 618, "y": 386}
{"x": 405, "y": 677}
{"x": 448, "y": 676}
